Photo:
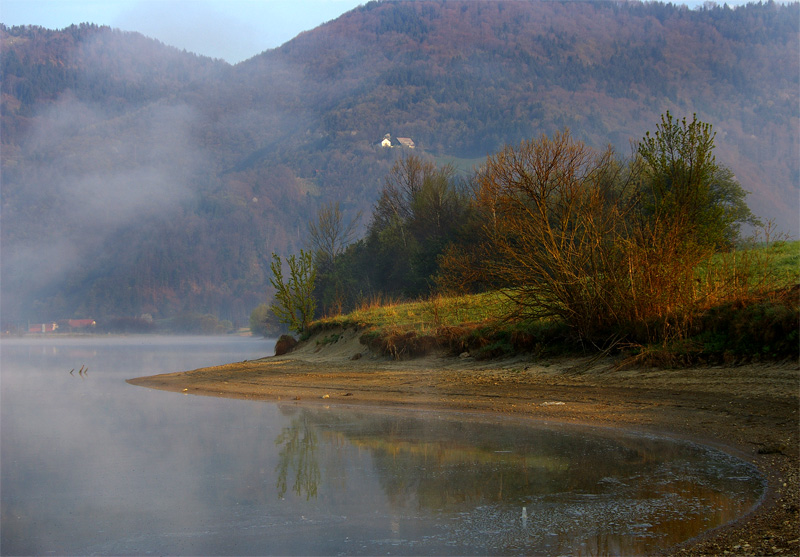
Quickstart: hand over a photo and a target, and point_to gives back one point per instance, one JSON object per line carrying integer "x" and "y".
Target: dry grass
{"x": 421, "y": 316}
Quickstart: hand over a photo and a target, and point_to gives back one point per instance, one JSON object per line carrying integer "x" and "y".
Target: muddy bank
{"x": 750, "y": 411}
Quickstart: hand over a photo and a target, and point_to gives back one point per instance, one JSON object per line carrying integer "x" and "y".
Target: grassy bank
{"x": 739, "y": 327}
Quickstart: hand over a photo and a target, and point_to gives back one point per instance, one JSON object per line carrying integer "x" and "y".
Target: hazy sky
{"x": 230, "y": 29}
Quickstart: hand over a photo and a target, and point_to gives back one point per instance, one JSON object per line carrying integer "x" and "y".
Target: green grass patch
{"x": 421, "y": 316}
{"x": 777, "y": 262}
{"x": 785, "y": 264}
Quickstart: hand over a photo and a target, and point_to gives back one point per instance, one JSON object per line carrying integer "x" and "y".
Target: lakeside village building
{"x": 69, "y": 324}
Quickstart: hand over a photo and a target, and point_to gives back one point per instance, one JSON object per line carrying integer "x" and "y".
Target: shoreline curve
{"x": 750, "y": 411}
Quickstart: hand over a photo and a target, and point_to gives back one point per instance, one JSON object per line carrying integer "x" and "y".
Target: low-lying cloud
{"x": 88, "y": 189}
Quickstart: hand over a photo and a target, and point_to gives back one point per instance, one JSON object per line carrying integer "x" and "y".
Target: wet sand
{"x": 750, "y": 411}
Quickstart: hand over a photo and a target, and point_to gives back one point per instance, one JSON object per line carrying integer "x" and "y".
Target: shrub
{"x": 294, "y": 301}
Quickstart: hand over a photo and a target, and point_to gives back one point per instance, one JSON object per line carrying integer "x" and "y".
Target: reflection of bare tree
{"x": 298, "y": 454}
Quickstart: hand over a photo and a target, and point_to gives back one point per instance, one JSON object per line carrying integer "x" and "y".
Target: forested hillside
{"x": 141, "y": 179}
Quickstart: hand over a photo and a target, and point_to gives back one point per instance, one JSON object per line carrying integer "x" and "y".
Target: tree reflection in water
{"x": 508, "y": 486}
{"x": 298, "y": 454}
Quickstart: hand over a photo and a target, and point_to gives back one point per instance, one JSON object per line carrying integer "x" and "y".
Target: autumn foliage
{"x": 616, "y": 249}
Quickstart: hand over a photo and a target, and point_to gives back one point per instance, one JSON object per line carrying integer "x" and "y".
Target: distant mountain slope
{"x": 141, "y": 179}
{"x": 96, "y": 65}
{"x": 463, "y": 78}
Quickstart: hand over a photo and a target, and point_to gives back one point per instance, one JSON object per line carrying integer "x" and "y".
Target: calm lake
{"x": 91, "y": 465}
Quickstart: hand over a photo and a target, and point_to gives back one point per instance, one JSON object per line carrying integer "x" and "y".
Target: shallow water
{"x": 92, "y": 465}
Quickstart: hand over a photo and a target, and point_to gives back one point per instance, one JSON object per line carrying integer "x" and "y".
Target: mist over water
{"x": 92, "y": 465}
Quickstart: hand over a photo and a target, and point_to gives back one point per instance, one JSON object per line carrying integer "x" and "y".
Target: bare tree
{"x": 417, "y": 193}
{"x": 329, "y": 235}
{"x": 552, "y": 209}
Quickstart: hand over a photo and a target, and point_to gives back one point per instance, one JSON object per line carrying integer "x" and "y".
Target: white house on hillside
{"x": 403, "y": 141}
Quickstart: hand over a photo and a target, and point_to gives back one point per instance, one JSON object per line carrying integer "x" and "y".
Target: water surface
{"x": 92, "y": 465}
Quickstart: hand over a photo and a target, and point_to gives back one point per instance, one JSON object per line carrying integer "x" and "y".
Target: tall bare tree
{"x": 329, "y": 235}
{"x": 552, "y": 208}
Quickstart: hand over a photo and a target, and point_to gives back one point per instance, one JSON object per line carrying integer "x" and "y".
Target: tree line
{"x": 615, "y": 247}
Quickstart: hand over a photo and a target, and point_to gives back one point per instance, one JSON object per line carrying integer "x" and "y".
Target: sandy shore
{"x": 750, "y": 411}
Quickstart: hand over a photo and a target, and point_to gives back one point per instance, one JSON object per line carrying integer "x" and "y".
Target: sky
{"x": 233, "y": 30}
